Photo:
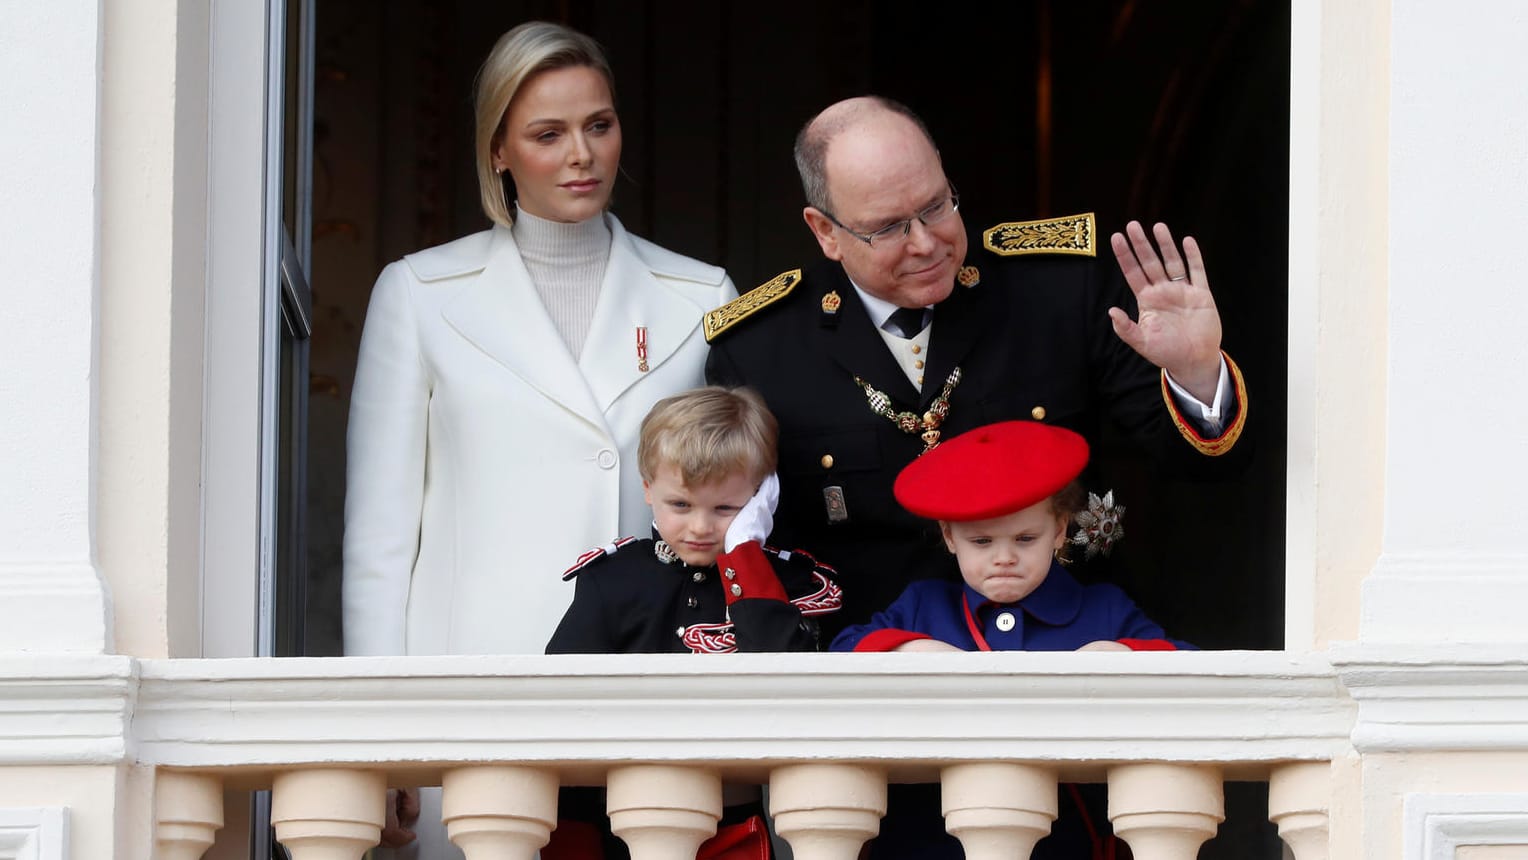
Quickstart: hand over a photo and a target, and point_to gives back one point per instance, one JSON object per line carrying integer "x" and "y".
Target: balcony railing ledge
{"x": 741, "y": 710}
{"x": 1445, "y": 697}
{"x": 66, "y": 708}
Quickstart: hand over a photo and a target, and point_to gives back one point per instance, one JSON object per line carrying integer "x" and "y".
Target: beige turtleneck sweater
{"x": 566, "y": 262}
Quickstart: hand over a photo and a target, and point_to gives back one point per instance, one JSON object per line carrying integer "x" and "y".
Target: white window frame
{"x": 238, "y": 501}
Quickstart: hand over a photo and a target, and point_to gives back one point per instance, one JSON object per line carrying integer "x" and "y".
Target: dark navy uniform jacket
{"x": 1060, "y": 615}
{"x": 628, "y": 601}
{"x": 1033, "y": 340}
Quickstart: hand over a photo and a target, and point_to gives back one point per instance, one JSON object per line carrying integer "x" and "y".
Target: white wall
{"x": 49, "y": 89}
{"x": 1455, "y": 562}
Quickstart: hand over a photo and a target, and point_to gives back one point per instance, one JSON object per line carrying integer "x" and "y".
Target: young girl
{"x": 1004, "y": 495}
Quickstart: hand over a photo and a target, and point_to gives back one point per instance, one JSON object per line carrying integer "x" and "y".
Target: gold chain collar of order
{"x": 910, "y": 422}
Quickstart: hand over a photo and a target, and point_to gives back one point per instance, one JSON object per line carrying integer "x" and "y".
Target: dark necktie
{"x": 905, "y": 322}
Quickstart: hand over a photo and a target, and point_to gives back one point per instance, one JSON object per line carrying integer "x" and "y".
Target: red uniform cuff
{"x": 887, "y": 639}
{"x": 747, "y": 573}
{"x": 1148, "y": 644}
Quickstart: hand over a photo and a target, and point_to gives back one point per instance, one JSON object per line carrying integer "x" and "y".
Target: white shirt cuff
{"x": 1209, "y": 417}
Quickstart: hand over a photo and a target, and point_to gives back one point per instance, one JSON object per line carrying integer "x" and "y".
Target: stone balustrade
{"x": 825, "y": 811}
{"x": 825, "y": 733}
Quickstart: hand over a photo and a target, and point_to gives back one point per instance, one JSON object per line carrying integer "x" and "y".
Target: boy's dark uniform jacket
{"x": 629, "y": 601}
{"x": 1032, "y": 338}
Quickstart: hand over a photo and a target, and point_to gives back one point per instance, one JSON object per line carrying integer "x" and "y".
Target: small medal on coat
{"x": 830, "y": 305}
{"x": 833, "y": 502}
{"x": 664, "y": 552}
{"x": 642, "y": 348}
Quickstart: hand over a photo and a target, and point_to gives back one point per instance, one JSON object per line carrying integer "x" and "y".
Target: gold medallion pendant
{"x": 927, "y": 425}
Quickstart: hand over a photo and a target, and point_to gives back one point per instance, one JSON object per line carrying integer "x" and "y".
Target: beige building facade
{"x": 135, "y": 720}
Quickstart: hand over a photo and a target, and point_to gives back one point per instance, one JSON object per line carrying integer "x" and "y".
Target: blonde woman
{"x": 503, "y": 377}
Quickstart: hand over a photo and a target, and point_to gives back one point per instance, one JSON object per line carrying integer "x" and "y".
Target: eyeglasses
{"x": 897, "y": 232}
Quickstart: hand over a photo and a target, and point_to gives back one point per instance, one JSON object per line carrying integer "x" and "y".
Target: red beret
{"x": 992, "y": 471}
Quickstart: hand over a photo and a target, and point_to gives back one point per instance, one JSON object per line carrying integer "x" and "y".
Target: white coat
{"x": 483, "y": 457}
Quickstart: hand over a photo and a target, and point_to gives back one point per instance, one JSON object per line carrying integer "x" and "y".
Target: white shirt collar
{"x": 878, "y": 309}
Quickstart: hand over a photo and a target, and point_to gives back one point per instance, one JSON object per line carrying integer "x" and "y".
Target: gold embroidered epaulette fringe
{"x": 1072, "y": 234}
{"x": 740, "y": 308}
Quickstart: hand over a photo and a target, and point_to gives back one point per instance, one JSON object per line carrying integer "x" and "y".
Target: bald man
{"x": 910, "y": 331}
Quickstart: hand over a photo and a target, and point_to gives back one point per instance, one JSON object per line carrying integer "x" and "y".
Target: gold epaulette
{"x": 1072, "y": 234}
{"x": 740, "y": 308}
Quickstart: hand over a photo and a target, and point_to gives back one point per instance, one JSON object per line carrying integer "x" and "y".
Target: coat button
{"x": 918, "y": 365}
{"x": 1037, "y": 413}
{"x": 917, "y": 349}
{"x": 605, "y": 458}
{"x": 1005, "y": 621}
{"x": 730, "y": 573}
{"x": 699, "y": 576}
{"x": 692, "y": 603}
{"x": 679, "y": 633}
{"x": 737, "y": 590}
{"x": 827, "y": 461}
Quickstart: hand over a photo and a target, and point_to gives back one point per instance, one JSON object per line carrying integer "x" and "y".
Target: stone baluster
{"x": 1165, "y": 811}
{"x": 663, "y": 812}
{"x": 499, "y": 812}
{"x": 188, "y": 810}
{"x": 1299, "y": 802}
{"x": 827, "y": 811}
{"x": 998, "y": 811}
{"x": 328, "y": 814}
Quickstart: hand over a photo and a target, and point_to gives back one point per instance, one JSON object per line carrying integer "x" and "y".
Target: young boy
{"x": 1004, "y": 495}
{"x": 704, "y": 583}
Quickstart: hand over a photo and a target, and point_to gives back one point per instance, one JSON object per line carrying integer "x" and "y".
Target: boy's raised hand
{"x": 757, "y": 518}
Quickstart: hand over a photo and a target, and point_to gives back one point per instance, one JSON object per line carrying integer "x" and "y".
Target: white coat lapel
{"x": 501, "y": 314}
{"x": 631, "y": 296}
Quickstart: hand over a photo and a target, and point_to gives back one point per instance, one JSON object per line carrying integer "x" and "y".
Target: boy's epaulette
{"x": 1071, "y": 234}
{"x": 593, "y": 555}
{"x": 744, "y": 306}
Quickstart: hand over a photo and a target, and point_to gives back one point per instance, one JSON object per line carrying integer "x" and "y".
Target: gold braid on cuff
{"x": 1227, "y": 439}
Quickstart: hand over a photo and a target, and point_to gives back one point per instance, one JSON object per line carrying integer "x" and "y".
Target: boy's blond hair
{"x": 709, "y": 434}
